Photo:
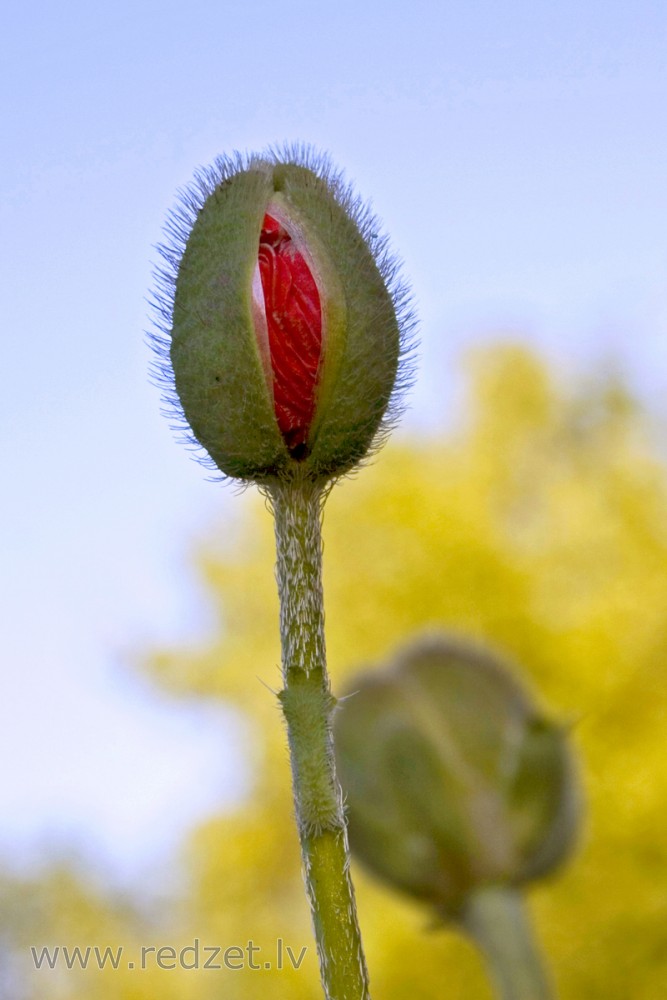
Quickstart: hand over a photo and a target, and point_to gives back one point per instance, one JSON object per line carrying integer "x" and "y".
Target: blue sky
{"x": 517, "y": 154}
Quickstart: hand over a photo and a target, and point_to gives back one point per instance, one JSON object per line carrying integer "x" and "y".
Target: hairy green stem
{"x": 308, "y": 704}
{"x": 496, "y": 919}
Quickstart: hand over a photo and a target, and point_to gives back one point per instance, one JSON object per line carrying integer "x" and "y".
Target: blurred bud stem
{"x": 496, "y": 919}
{"x": 308, "y": 705}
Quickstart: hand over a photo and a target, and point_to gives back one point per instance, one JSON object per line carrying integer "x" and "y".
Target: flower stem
{"x": 308, "y": 704}
{"x": 495, "y": 917}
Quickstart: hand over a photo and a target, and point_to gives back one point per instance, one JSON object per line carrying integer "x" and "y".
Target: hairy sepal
{"x": 215, "y": 354}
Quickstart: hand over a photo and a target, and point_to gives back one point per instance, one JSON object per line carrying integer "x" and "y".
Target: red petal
{"x": 294, "y": 323}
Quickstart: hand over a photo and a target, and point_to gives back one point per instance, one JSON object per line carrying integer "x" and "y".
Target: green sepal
{"x": 544, "y": 800}
{"x": 363, "y": 345}
{"x": 218, "y": 372}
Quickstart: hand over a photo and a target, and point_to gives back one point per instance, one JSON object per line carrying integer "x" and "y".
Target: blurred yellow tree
{"x": 538, "y": 525}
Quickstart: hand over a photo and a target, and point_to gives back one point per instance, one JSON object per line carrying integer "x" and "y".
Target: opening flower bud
{"x": 453, "y": 780}
{"x": 284, "y": 328}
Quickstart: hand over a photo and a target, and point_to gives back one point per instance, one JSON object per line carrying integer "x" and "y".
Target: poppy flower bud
{"x": 282, "y": 321}
{"x": 452, "y": 778}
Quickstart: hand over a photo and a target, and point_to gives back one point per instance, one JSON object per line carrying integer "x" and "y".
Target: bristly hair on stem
{"x": 191, "y": 200}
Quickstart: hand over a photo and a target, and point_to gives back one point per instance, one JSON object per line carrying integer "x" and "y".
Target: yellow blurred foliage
{"x": 538, "y": 525}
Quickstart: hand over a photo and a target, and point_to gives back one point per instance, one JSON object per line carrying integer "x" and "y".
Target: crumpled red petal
{"x": 294, "y": 324}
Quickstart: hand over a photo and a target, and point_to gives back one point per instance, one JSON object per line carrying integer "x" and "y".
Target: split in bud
{"x": 289, "y": 315}
{"x": 284, "y": 328}
{"x": 453, "y": 781}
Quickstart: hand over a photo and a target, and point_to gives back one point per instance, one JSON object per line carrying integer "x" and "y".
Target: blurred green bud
{"x": 453, "y": 780}
{"x": 282, "y": 321}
